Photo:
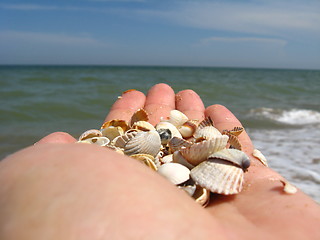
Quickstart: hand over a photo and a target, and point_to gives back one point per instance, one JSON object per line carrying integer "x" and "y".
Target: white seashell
{"x": 89, "y": 134}
{"x": 176, "y": 144}
{"x": 234, "y": 156}
{"x": 288, "y": 188}
{"x": 178, "y": 158}
{"x": 166, "y": 159}
{"x": 257, "y": 154}
{"x": 101, "y": 141}
{"x": 218, "y": 176}
{"x": 201, "y": 195}
{"x": 144, "y": 142}
{"x": 174, "y": 172}
{"x": 112, "y": 132}
{"x": 166, "y": 125}
{"x": 187, "y": 129}
{"x": 177, "y": 118}
{"x": 200, "y": 151}
{"x": 143, "y": 126}
{"x": 207, "y": 132}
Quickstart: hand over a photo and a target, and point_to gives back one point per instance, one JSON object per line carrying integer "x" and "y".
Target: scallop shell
{"x": 166, "y": 125}
{"x": 234, "y": 156}
{"x": 142, "y": 126}
{"x": 101, "y": 141}
{"x": 89, "y": 134}
{"x": 218, "y": 176}
{"x": 177, "y": 118}
{"x": 174, "y": 172}
{"x": 139, "y": 115}
{"x": 146, "y": 159}
{"x": 176, "y": 144}
{"x": 206, "y": 130}
{"x": 200, "y": 151}
{"x": 236, "y": 131}
{"x": 122, "y": 140}
{"x": 187, "y": 129}
{"x": 144, "y": 142}
{"x": 234, "y": 141}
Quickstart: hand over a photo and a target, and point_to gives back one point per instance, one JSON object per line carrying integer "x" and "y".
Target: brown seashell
{"x": 116, "y": 123}
{"x": 187, "y": 129}
{"x": 234, "y": 142}
{"x": 236, "y": 131}
{"x": 144, "y": 142}
{"x": 146, "y": 159}
{"x": 112, "y": 132}
{"x": 89, "y": 134}
{"x": 234, "y": 156}
{"x": 139, "y": 115}
{"x": 218, "y": 176}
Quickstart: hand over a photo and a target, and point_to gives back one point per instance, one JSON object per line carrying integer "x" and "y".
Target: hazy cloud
{"x": 272, "y": 41}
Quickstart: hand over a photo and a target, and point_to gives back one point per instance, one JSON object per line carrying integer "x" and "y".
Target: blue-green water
{"x": 279, "y": 108}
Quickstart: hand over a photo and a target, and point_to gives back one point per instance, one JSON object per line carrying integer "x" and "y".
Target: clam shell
{"x": 112, "y": 132}
{"x": 234, "y": 156}
{"x": 200, "y": 151}
{"x": 101, "y": 141}
{"x": 218, "y": 176}
{"x": 174, "y": 172}
{"x": 142, "y": 126}
{"x": 166, "y": 125}
{"x": 89, "y": 134}
{"x": 146, "y": 159}
{"x": 177, "y": 118}
{"x": 187, "y": 129}
{"x": 144, "y": 142}
{"x": 139, "y": 115}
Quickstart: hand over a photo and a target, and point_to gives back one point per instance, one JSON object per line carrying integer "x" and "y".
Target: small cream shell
{"x": 187, "y": 129}
{"x": 177, "y": 118}
{"x": 257, "y": 154}
{"x": 167, "y": 125}
{"x": 89, "y": 134}
{"x": 174, "y": 172}
{"x": 142, "y": 126}
{"x": 112, "y": 132}
{"x": 146, "y": 159}
{"x": 101, "y": 141}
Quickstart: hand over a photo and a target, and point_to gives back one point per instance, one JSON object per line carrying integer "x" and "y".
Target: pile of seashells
{"x": 193, "y": 155}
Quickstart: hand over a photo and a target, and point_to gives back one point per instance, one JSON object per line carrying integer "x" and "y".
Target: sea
{"x": 280, "y": 108}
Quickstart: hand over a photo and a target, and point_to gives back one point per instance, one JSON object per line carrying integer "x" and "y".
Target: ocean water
{"x": 279, "y": 108}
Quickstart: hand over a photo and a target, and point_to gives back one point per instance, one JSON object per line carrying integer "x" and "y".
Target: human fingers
{"x": 189, "y": 102}
{"x": 126, "y": 105}
{"x": 159, "y": 102}
{"x": 57, "y": 137}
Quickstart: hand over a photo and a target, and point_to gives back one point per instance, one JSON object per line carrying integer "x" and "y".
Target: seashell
{"x": 234, "y": 156}
{"x": 116, "y": 149}
{"x": 166, "y": 159}
{"x": 257, "y": 154}
{"x": 101, "y": 141}
{"x": 176, "y": 144}
{"x": 236, "y": 131}
{"x": 206, "y": 130}
{"x": 178, "y": 158}
{"x": 218, "y": 176}
{"x": 144, "y": 142}
{"x": 112, "y": 132}
{"x": 187, "y": 129}
{"x": 165, "y": 135}
{"x": 166, "y": 125}
{"x": 116, "y": 123}
{"x": 142, "y": 126}
{"x": 146, "y": 159}
{"x": 201, "y": 195}
{"x": 234, "y": 142}
{"x": 288, "y": 188}
{"x": 139, "y": 115}
{"x": 89, "y": 134}
{"x": 189, "y": 189}
{"x": 174, "y": 172}
{"x": 122, "y": 140}
{"x": 200, "y": 151}
{"x": 177, "y": 118}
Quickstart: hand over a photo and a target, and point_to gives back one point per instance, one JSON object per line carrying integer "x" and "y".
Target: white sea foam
{"x": 294, "y": 153}
{"x": 292, "y": 116}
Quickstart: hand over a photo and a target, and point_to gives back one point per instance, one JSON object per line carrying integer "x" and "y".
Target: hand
{"x": 73, "y": 191}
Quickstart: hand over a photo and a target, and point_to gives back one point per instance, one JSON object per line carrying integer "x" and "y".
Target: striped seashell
{"x": 101, "y": 141}
{"x": 234, "y": 142}
{"x": 187, "y": 129}
{"x": 236, "y": 131}
{"x": 218, "y": 176}
{"x": 144, "y": 142}
{"x": 176, "y": 144}
{"x": 142, "y": 126}
{"x": 177, "y": 118}
{"x": 146, "y": 159}
{"x": 174, "y": 172}
{"x": 200, "y": 151}
{"x": 234, "y": 156}
{"x": 89, "y": 134}
{"x": 122, "y": 140}
{"x": 139, "y": 115}
{"x": 206, "y": 130}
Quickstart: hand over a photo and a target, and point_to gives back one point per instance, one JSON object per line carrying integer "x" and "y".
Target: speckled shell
{"x": 218, "y": 176}
{"x": 89, "y": 134}
{"x": 234, "y": 142}
{"x": 234, "y": 156}
{"x": 177, "y": 118}
{"x": 174, "y": 172}
{"x": 144, "y": 142}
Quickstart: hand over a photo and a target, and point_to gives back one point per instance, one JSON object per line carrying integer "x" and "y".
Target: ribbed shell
{"x": 207, "y": 132}
{"x": 144, "y": 142}
{"x": 122, "y": 140}
{"x": 176, "y": 144}
{"x": 218, "y": 176}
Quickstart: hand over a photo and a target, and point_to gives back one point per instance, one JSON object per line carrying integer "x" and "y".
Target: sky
{"x": 230, "y": 33}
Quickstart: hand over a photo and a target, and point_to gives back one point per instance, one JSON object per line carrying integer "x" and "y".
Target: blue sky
{"x": 257, "y": 33}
